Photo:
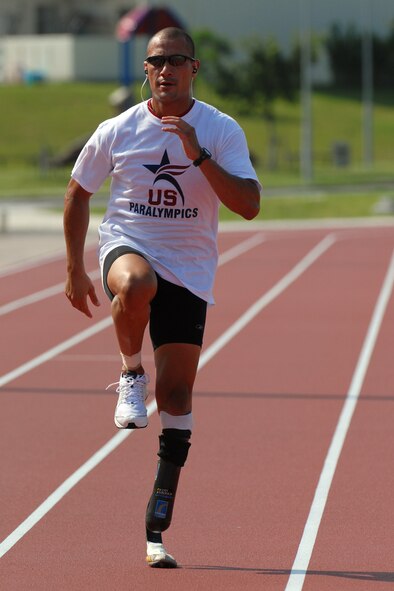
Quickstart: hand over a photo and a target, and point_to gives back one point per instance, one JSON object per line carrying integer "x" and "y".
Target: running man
{"x": 173, "y": 161}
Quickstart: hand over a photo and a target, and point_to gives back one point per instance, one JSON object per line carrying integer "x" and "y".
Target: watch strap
{"x": 204, "y": 155}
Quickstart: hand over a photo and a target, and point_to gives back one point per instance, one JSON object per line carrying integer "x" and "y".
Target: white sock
{"x": 131, "y": 361}
{"x": 155, "y": 548}
{"x": 183, "y": 422}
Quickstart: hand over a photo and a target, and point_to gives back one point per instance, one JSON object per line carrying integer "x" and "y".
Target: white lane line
{"x": 39, "y": 295}
{"x": 237, "y": 250}
{"x": 39, "y": 260}
{"x": 51, "y": 353}
{"x": 117, "y": 439}
{"x": 29, "y": 265}
{"x": 96, "y": 357}
{"x": 240, "y": 248}
{"x": 61, "y": 491}
{"x": 305, "y": 549}
{"x": 273, "y": 293}
{"x": 43, "y": 294}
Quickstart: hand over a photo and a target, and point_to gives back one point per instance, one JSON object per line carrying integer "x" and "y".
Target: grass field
{"x": 46, "y": 119}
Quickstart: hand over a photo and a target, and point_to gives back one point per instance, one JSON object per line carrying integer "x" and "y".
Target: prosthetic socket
{"x": 174, "y": 447}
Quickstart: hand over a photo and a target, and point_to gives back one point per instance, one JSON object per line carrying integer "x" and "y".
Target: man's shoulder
{"x": 215, "y": 115}
{"x": 124, "y": 116}
{"x": 121, "y": 121}
{"x": 206, "y": 108}
{"x": 212, "y": 111}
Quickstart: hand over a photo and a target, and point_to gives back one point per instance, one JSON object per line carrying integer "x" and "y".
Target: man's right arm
{"x": 76, "y": 222}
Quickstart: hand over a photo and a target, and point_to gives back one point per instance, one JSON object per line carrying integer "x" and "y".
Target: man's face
{"x": 171, "y": 84}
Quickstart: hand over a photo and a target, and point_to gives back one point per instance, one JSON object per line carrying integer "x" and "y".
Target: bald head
{"x": 173, "y": 34}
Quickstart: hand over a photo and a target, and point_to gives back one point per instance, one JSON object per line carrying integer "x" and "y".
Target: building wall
{"x": 51, "y": 56}
{"x": 234, "y": 19}
{"x": 25, "y": 17}
{"x": 60, "y": 57}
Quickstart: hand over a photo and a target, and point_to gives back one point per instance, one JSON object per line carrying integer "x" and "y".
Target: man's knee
{"x": 134, "y": 290}
{"x": 175, "y": 401}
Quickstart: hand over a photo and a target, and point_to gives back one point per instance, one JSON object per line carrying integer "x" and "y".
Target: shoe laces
{"x": 130, "y": 387}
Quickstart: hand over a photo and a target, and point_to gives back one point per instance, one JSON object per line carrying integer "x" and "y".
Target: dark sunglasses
{"x": 158, "y": 61}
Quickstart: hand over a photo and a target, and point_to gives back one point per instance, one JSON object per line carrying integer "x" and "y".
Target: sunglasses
{"x": 158, "y": 61}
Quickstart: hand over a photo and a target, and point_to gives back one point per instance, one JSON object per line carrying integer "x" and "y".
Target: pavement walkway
{"x": 31, "y": 231}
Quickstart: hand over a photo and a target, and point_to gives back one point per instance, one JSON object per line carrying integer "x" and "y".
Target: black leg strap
{"x": 174, "y": 446}
{"x": 152, "y": 536}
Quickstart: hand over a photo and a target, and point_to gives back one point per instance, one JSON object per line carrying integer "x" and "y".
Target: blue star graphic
{"x": 155, "y": 167}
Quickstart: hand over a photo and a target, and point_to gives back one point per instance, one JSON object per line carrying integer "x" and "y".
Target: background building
{"x": 25, "y": 26}
{"x": 232, "y": 18}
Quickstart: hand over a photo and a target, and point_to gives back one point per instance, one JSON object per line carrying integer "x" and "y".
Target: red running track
{"x": 289, "y": 481}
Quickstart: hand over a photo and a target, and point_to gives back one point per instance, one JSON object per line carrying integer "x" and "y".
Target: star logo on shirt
{"x": 155, "y": 167}
{"x": 165, "y": 171}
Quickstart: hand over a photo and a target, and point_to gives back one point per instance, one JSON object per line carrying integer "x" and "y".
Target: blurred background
{"x": 310, "y": 81}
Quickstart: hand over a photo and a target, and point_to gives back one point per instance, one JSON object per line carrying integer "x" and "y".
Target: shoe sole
{"x": 130, "y": 425}
{"x": 166, "y": 561}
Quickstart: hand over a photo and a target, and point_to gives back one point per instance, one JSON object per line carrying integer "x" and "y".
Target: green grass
{"x": 319, "y": 205}
{"x": 310, "y": 206}
{"x": 49, "y": 117}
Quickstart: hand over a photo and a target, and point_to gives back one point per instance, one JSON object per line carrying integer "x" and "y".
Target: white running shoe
{"x": 130, "y": 412}
{"x": 157, "y": 556}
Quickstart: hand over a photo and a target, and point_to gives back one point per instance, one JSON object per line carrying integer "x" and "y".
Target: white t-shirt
{"x": 160, "y": 204}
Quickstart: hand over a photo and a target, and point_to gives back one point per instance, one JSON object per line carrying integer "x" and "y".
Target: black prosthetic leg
{"x": 174, "y": 447}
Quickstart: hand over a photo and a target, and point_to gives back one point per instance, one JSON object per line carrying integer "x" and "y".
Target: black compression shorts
{"x": 176, "y": 316}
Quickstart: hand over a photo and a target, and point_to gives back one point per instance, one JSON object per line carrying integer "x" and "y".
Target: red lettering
{"x": 170, "y": 197}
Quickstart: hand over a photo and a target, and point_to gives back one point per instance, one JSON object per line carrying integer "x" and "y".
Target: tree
{"x": 213, "y": 51}
{"x": 344, "y": 52}
{"x": 255, "y": 78}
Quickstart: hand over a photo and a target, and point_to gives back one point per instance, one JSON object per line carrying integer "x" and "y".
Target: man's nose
{"x": 166, "y": 67}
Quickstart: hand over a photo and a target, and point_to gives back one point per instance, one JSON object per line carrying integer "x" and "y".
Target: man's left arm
{"x": 240, "y": 195}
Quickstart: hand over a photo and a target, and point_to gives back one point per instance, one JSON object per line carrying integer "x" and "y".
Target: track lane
{"x": 17, "y": 283}
{"x": 301, "y": 395}
{"x": 300, "y": 565}
{"x": 235, "y": 250}
{"x": 214, "y": 406}
{"x": 354, "y": 544}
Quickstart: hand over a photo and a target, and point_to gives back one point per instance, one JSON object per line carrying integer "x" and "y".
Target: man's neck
{"x": 162, "y": 110}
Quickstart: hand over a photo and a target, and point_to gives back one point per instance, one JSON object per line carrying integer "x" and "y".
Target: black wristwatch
{"x": 204, "y": 155}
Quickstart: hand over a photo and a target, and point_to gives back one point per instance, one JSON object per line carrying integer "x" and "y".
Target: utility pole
{"x": 306, "y": 140}
{"x": 367, "y": 81}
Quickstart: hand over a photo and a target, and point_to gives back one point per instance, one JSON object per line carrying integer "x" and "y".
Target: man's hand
{"x": 78, "y": 289}
{"x": 185, "y": 132}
